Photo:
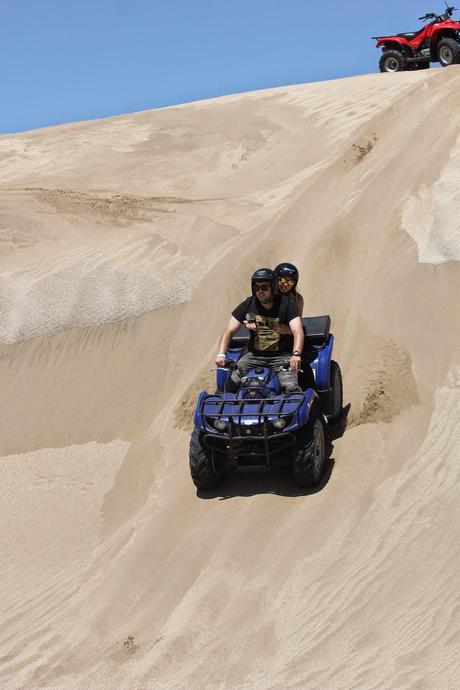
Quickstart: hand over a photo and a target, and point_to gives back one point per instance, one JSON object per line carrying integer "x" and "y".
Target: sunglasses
{"x": 287, "y": 281}
{"x": 262, "y": 287}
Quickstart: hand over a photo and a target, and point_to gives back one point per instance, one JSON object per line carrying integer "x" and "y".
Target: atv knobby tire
{"x": 205, "y": 470}
{"x": 393, "y": 61}
{"x": 310, "y": 455}
{"x": 332, "y": 401}
{"x": 448, "y": 52}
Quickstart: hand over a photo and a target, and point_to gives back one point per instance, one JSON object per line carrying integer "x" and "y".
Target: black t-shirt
{"x": 264, "y": 341}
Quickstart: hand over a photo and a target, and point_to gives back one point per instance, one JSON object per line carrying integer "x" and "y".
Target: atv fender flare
{"x": 395, "y": 45}
{"x": 436, "y": 38}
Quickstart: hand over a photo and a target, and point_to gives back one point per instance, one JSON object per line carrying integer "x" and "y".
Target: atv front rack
{"x": 294, "y": 401}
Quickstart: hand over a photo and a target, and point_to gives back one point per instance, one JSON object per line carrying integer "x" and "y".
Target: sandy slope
{"x": 124, "y": 244}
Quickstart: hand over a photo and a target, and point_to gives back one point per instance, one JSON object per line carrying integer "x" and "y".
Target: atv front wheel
{"x": 207, "y": 471}
{"x": 310, "y": 455}
{"x": 448, "y": 52}
{"x": 393, "y": 61}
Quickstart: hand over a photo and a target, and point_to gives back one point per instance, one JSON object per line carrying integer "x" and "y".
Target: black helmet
{"x": 265, "y": 274}
{"x": 287, "y": 271}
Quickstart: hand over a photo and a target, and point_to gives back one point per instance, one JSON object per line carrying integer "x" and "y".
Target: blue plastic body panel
{"x": 198, "y": 419}
{"x": 224, "y": 374}
{"x": 321, "y": 364}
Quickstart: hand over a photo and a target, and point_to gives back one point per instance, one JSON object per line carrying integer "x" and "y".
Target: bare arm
{"x": 225, "y": 339}
{"x": 300, "y": 304}
{"x": 297, "y": 331}
{"x": 285, "y": 329}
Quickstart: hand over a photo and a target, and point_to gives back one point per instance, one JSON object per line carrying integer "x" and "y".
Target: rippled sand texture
{"x": 124, "y": 245}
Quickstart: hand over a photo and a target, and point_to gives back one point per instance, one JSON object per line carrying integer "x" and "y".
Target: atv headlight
{"x": 220, "y": 425}
{"x": 280, "y": 423}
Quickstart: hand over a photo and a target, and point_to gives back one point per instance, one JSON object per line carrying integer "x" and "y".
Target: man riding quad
{"x": 262, "y": 314}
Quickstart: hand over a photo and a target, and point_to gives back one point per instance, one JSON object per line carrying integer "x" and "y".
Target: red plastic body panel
{"x": 429, "y": 32}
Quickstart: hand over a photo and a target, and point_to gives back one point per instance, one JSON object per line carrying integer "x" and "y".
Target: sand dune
{"x": 124, "y": 244}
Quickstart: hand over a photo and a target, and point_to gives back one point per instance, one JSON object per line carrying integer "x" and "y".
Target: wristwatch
{"x": 296, "y": 353}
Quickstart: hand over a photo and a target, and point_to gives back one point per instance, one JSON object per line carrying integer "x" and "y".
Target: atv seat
{"x": 411, "y": 34}
{"x": 316, "y": 329}
{"x": 240, "y": 339}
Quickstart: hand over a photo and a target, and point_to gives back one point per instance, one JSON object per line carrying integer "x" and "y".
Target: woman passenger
{"x": 288, "y": 277}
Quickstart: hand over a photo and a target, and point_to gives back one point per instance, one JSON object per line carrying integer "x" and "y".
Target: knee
{"x": 236, "y": 377}
{"x": 293, "y": 388}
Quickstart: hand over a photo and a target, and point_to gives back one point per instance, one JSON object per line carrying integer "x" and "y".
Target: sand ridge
{"x": 124, "y": 244}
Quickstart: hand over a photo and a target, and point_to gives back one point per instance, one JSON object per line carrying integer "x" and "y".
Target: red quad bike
{"x": 438, "y": 41}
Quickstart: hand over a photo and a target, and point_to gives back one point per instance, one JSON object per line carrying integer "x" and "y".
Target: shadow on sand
{"x": 279, "y": 480}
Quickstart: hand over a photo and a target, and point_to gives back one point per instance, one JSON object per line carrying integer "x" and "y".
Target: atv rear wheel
{"x": 332, "y": 401}
{"x": 393, "y": 61}
{"x": 310, "y": 455}
{"x": 448, "y": 52}
{"x": 207, "y": 471}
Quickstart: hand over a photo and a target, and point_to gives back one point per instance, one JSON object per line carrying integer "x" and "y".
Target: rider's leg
{"x": 247, "y": 362}
{"x": 289, "y": 379}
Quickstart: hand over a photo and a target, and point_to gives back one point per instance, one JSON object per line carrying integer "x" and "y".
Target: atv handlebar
{"x": 231, "y": 365}
{"x": 440, "y": 17}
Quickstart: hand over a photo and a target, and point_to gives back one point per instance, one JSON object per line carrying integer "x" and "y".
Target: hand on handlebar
{"x": 224, "y": 363}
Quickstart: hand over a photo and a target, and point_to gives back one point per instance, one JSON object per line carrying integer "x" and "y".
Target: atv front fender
{"x": 198, "y": 417}
{"x": 303, "y": 415}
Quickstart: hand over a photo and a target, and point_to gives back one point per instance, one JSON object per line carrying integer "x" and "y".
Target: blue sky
{"x": 68, "y": 60}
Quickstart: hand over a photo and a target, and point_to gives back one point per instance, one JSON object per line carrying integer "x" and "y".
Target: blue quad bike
{"x": 259, "y": 426}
